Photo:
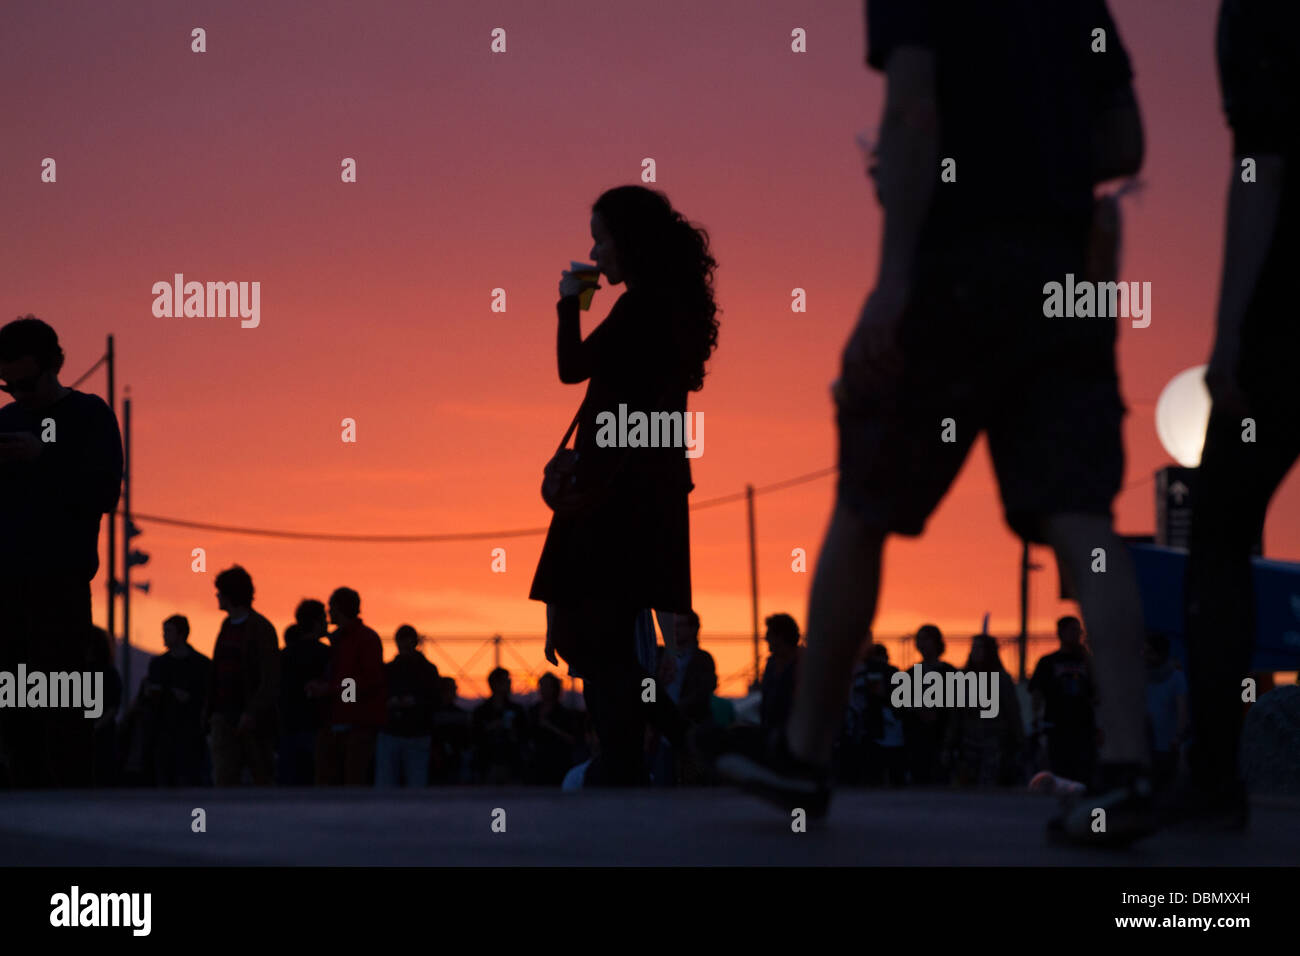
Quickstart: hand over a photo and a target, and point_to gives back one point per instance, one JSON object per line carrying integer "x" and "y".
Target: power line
{"x": 322, "y": 536}
{"x": 775, "y": 486}
{"x": 90, "y": 371}
{"x": 436, "y": 538}
{"x": 443, "y": 537}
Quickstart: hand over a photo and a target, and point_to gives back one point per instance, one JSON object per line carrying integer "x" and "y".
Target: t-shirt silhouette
{"x": 50, "y": 507}
{"x": 177, "y": 719}
{"x": 1016, "y": 83}
{"x": 1064, "y": 679}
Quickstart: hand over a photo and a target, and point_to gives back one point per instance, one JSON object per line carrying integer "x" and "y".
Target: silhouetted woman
{"x": 988, "y": 750}
{"x": 630, "y": 549}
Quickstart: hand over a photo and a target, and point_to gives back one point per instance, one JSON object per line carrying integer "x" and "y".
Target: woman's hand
{"x": 571, "y": 284}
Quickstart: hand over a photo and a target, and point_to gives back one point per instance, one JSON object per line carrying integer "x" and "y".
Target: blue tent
{"x": 1277, "y": 604}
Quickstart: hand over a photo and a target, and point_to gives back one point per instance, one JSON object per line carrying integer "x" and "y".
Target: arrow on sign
{"x": 1179, "y": 491}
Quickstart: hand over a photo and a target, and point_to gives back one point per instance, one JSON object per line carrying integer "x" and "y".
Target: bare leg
{"x": 840, "y": 610}
{"x": 1112, "y": 614}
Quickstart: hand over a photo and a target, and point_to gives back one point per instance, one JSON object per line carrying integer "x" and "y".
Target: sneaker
{"x": 1048, "y": 783}
{"x": 779, "y": 777}
{"x": 1130, "y": 814}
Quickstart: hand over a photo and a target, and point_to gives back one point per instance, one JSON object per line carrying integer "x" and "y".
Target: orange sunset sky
{"x": 477, "y": 171}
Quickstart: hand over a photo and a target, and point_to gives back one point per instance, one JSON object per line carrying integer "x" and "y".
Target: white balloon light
{"x": 1182, "y": 412}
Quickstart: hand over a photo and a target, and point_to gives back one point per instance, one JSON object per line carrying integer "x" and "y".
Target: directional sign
{"x": 1174, "y": 506}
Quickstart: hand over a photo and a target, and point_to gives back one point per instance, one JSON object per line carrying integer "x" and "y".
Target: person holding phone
{"x": 60, "y": 471}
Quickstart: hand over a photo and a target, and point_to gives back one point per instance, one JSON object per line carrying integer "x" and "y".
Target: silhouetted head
{"x": 984, "y": 654}
{"x": 929, "y": 642}
{"x": 345, "y": 606}
{"x": 499, "y": 683}
{"x": 641, "y": 240}
{"x": 1157, "y": 649}
{"x": 686, "y": 627}
{"x": 782, "y": 634}
{"x": 407, "y": 639}
{"x": 234, "y": 590}
{"x": 447, "y": 687}
{"x": 30, "y": 360}
{"x": 1070, "y": 631}
{"x": 176, "y": 631}
{"x": 311, "y": 619}
{"x": 879, "y": 652}
{"x": 549, "y": 687}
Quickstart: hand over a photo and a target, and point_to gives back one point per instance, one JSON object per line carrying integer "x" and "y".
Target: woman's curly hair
{"x": 669, "y": 256}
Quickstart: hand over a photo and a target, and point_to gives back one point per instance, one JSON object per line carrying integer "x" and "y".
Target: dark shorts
{"x": 979, "y": 356}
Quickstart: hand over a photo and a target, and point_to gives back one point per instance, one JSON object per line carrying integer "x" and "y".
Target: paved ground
{"x": 649, "y": 827}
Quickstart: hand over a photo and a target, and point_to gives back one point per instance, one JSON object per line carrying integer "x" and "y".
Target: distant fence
{"x": 470, "y": 659}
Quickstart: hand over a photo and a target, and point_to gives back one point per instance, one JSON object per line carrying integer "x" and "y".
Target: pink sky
{"x": 477, "y": 171}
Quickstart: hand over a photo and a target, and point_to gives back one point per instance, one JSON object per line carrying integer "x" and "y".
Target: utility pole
{"x": 1024, "y": 605}
{"x": 112, "y": 515}
{"x": 130, "y": 556}
{"x": 753, "y": 573}
{"x": 126, "y": 543}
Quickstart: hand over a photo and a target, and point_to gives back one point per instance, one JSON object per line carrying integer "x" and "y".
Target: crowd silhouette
{"x": 322, "y": 707}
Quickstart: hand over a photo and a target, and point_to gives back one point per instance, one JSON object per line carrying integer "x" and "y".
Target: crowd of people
{"x": 323, "y": 707}
{"x": 882, "y": 743}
